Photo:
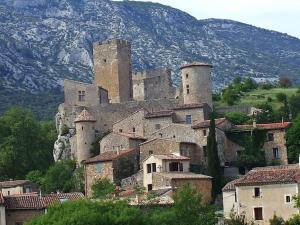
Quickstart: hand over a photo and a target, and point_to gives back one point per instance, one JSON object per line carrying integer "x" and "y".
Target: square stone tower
{"x": 112, "y": 69}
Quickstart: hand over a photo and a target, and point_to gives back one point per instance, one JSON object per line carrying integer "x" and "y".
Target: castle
{"x": 148, "y": 122}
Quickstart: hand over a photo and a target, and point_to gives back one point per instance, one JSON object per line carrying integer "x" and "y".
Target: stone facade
{"x": 16, "y": 217}
{"x": 112, "y": 68}
{"x": 152, "y": 84}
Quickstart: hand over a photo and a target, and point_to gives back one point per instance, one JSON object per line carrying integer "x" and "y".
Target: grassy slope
{"x": 258, "y": 96}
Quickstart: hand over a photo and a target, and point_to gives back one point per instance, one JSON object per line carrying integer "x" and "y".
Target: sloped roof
{"x": 271, "y": 175}
{"x": 231, "y": 185}
{"x": 182, "y": 175}
{"x": 34, "y": 201}
{"x": 195, "y": 64}
{"x": 110, "y": 156}
{"x": 162, "y": 113}
{"x": 84, "y": 116}
{"x": 171, "y": 157}
{"x": 191, "y": 106}
{"x": 13, "y": 183}
{"x": 266, "y": 126}
{"x": 206, "y": 123}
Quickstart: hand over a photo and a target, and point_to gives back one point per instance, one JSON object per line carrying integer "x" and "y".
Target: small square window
{"x": 153, "y": 167}
{"x": 276, "y": 153}
{"x": 187, "y": 89}
{"x": 120, "y": 130}
{"x": 288, "y": 199}
{"x": 270, "y": 137}
{"x": 149, "y": 168}
{"x": 150, "y": 152}
{"x": 186, "y": 75}
{"x": 188, "y": 119}
{"x": 204, "y": 133}
{"x": 133, "y": 129}
{"x": 258, "y": 213}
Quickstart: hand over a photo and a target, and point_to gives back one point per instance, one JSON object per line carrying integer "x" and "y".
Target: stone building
{"x": 16, "y": 187}
{"x": 262, "y": 193}
{"x": 19, "y": 209}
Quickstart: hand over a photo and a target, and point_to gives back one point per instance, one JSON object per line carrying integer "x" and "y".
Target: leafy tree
{"x": 237, "y": 118}
{"x": 267, "y": 115}
{"x": 213, "y": 161}
{"x": 249, "y": 85}
{"x": 237, "y": 80}
{"x": 295, "y": 220}
{"x": 24, "y": 142}
{"x": 292, "y": 140}
{"x": 60, "y": 177}
{"x": 230, "y": 96}
{"x": 284, "y": 83}
{"x": 103, "y": 189}
{"x": 236, "y": 219}
{"x": 277, "y": 220}
{"x": 281, "y": 97}
{"x": 36, "y": 177}
{"x": 294, "y": 103}
{"x": 187, "y": 201}
{"x": 124, "y": 169}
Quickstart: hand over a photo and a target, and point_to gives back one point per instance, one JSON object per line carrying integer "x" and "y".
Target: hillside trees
{"x": 25, "y": 144}
{"x": 293, "y": 141}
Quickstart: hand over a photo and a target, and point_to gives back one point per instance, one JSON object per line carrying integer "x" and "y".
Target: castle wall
{"x": 152, "y": 84}
{"x": 112, "y": 69}
{"x": 91, "y": 94}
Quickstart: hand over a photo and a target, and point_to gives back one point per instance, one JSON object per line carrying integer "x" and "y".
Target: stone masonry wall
{"x": 21, "y": 216}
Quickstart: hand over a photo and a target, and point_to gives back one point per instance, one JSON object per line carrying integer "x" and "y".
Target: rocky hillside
{"x": 44, "y": 41}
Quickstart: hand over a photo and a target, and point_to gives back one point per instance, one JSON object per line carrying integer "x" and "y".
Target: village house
{"x": 19, "y": 209}
{"x": 262, "y": 193}
{"x": 15, "y": 187}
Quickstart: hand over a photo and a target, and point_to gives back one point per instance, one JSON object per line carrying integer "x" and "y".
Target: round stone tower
{"x": 85, "y": 135}
{"x": 197, "y": 84}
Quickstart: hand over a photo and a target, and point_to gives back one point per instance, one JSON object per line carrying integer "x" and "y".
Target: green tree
{"x": 60, "y": 177}
{"x": 276, "y": 220}
{"x": 213, "y": 161}
{"x": 103, "y": 189}
{"x": 236, "y": 219}
{"x": 24, "y": 142}
{"x": 294, "y": 103}
{"x": 187, "y": 201}
{"x": 36, "y": 177}
{"x": 230, "y": 96}
{"x": 281, "y": 97}
{"x": 237, "y": 118}
{"x": 293, "y": 141}
{"x": 295, "y": 220}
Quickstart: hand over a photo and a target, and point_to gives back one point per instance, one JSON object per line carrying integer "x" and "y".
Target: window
{"x": 256, "y": 192}
{"x": 188, "y": 119}
{"x": 8, "y": 192}
{"x": 258, "y": 213}
{"x": 81, "y": 96}
{"x": 149, "y": 187}
{"x": 204, "y": 151}
{"x": 150, "y": 152}
{"x": 157, "y": 126}
{"x": 161, "y": 135}
{"x": 133, "y": 129}
{"x": 275, "y": 153}
{"x": 153, "y": 167}
{"x": 26, "y": 189}
{"x": 204, "y": 133}
{"x": 270, "y": 137}
{"x": 287, "y": 199}
{"x": 149, "y": 168}
{"x": 99, "y": 167}
{"x": 120, "y": 130}
{"x": 187, "y": 89}
{"x": 186, "y": 75}
{"x": 104, "y": 60}
{"x": 175, "y": 166}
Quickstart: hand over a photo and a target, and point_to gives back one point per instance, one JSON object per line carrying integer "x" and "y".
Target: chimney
{"x": 254, "y": 123}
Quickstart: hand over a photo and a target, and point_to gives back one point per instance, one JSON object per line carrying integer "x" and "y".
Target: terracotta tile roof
{"x": 34, "y": 201}
{"x": 271, "y": 175}
{"x": 206, "y": 123}
{"x": 181, "y": 175}
{"x": 191, "y": 106}
{"x": 110, "y": 156}
{"x": 231, "y": 185}
{"x": 171, "y": 157}
{"x": 266, "y": 126}
{"x": 196, "y": 64}
{"x": 162, "y": 113}
{"x": 84, "y": 116}
{"x": 13, "y": 183}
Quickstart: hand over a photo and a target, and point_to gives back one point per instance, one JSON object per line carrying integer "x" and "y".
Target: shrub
{"x": 277, "y": 221}
{"x": 102, "y": 189}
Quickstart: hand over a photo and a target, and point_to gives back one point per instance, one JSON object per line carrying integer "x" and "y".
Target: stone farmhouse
{"x": 19, "y": 209}
{"x": 263, "y": 192}
{"x": 145, "y": 118}
{"x": 15, "y": 187}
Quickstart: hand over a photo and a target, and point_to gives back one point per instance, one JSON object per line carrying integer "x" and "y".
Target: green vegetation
{"x": 213, "y": 162}
{"x": 103, "y": 189}
{"x": 292, "y": 142}
{"x": 25, "y": 144}
{"x": 238, "y": 118}
{"x": 236, "y": 219}
{"x": 277, "y": 220}
{"x": 187, "y": 210}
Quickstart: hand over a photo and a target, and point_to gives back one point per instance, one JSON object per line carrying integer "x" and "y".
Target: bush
{"x": 277, "y": 221}
{"x": 103, "y": 189}
{"x": 237, "y": 219}
{"x": 295, "y": 220}
{"x": 237, "y": 118}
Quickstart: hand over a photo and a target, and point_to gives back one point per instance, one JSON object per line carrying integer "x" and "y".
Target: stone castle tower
{"x": 112, "y": 69}
{"x": 85, "y": 135}
{"x": 196, "y": 83}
